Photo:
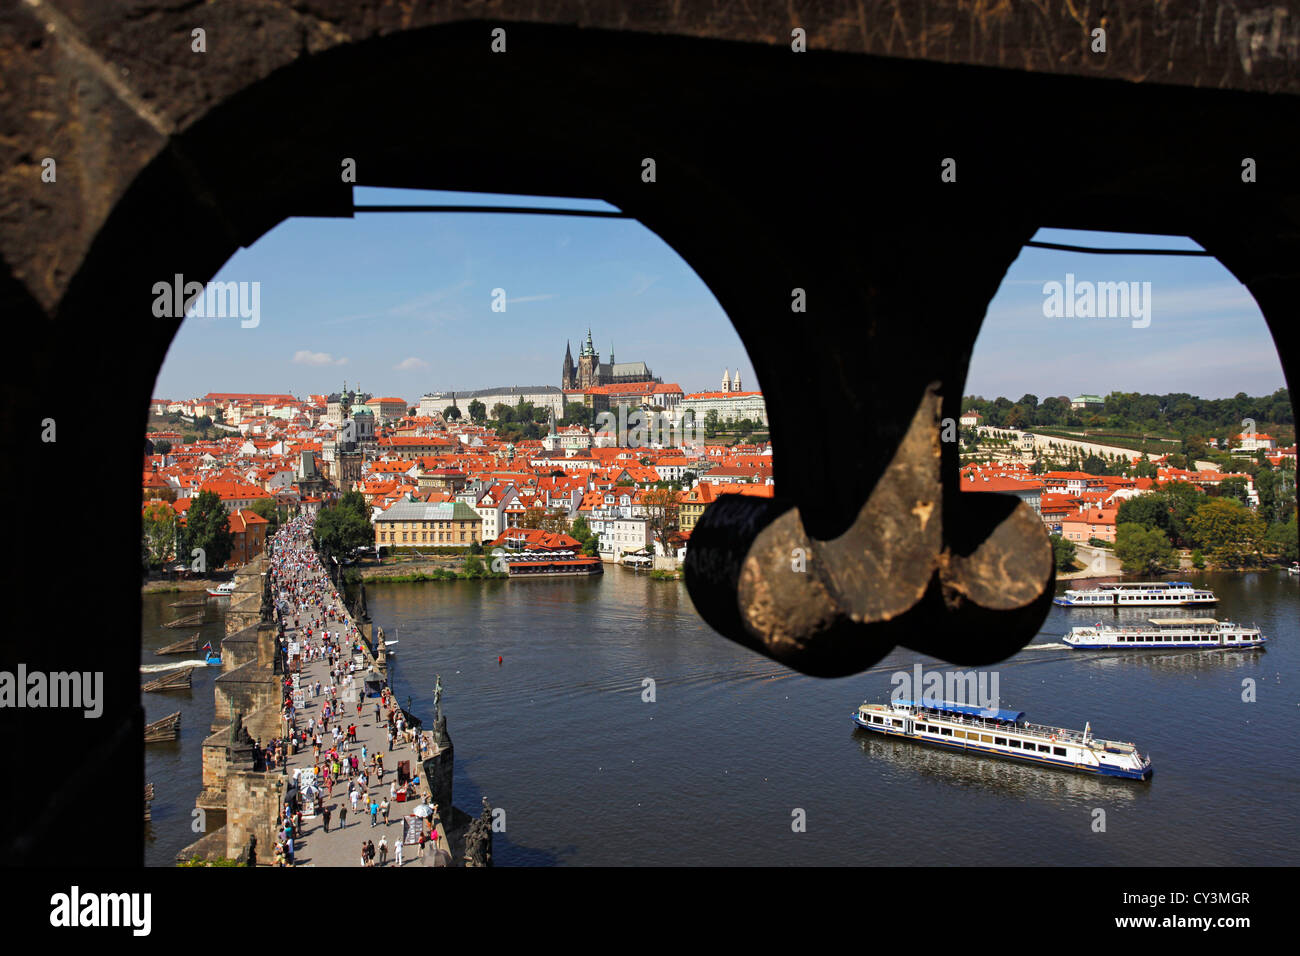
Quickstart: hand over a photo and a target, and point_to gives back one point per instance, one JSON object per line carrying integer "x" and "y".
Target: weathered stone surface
{"x": 775, "y": 171}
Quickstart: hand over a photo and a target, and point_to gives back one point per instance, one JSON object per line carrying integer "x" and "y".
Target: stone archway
{"x": 773, "y": 173}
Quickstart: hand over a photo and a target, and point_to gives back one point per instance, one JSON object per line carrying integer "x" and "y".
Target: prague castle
{"x": 591, "y": 372}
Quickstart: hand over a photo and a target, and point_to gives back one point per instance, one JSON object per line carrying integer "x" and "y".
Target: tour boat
{"x": 1294, "y": 568}
{"x": 1165, "y": 632}
{"x": 1152, "y": 594}
{"x": 1005, "y": 734}
{"x": 223, "y": 590}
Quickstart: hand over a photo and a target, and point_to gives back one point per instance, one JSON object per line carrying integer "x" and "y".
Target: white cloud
{"x": 304, "y": 357}
{"x": 529, "y": 298}
{"x": 643, "y": 282}
{"x": 411, "y": 364}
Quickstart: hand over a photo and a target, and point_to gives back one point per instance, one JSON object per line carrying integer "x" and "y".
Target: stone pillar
{"x": 438, "y": 770}
{"x": 252, "y": 809}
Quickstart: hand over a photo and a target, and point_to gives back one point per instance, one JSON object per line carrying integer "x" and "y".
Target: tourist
{"x": 383, "y": 850}
{"x": 422, "y": 841}
{"x": 325, "y": 815}
{"x": 374, "y": 813}
{"x": 397, "y": 851}
{"x": 343, "y": 817}
{"x": 383, "y": 809}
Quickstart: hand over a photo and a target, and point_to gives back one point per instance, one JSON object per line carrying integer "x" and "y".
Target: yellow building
{"x": 421, "y": 524}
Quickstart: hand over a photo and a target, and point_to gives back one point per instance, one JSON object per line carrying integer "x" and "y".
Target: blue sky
{"x": 1206, "y": 335}
{"x": 401, "y": 304}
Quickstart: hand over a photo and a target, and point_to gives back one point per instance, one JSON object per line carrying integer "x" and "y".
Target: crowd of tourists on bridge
{"x": 324, "y": 719}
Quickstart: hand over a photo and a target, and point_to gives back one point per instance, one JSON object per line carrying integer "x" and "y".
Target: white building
{"x": 541, "y": 396}
{"x": 623, "y": 535}
{"x": 491, "y": 507}
{"x": 730, "y": 406}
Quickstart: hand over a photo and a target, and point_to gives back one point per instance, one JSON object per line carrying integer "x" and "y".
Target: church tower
{"x": 726, "y": 379}
{"x": 566, "y": 373}
{"x": 735, "y": 382}
{"x": 588, "y": 364}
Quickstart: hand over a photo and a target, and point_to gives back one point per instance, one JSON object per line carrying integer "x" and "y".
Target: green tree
{"x": 355, "y": 502}
{"x": 710, "y": 423}
{"x": 473, "y": 567}
{"x": 1231, "y": 532}
{"x": 1143, "y": 550}
{"x": 477, "y": 411}
{"x": 661, "y": 508}
{"x": 1095, "y": 465}
{"x": 162, "y": 447}
{"x": 1183, "y": 498}
{"x": 1283, "y": 540}
{"x": 341, "y": 527}
{"x": 1234, "y": 488}
{"x": 451, "y": 413}
{"x": 580, "y": 529}
{"x": 207, "y": 526}
{"x": 1149, "y": 511}
{"x": 1063, "y": 552}
{"x": 1145, "y": 468}
{"x": 158, "y": 526}
{"x": 267, "y": 509}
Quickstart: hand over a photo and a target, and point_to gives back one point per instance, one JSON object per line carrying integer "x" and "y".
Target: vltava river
{"x": 715, "y": 769}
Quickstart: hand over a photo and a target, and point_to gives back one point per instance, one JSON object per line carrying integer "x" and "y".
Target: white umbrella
{"x": 423, "y": 810}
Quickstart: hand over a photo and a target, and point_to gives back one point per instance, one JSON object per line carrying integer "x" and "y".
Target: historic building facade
{"x": 591, "y": 372}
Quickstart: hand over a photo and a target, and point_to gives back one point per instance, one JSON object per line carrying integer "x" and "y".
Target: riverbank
{"x": 181, "y": 586}
{"x": 437, "y": 574}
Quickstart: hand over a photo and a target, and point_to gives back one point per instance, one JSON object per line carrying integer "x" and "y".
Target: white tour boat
{"x": 1151, "y": 594}
{"x": 1165, "y": 632}
{"x": 1006, "y": 734}
{"x": 223, "y": 590}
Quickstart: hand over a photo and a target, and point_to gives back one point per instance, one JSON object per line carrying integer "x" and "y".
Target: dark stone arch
{"x": 818, "y": 172}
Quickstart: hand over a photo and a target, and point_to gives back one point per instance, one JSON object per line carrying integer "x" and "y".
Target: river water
{"x": 175, "y": 766}
{"x": 735, "y": 751}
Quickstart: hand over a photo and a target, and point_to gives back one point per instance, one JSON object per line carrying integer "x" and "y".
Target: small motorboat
{"x": 223, "y": 590}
